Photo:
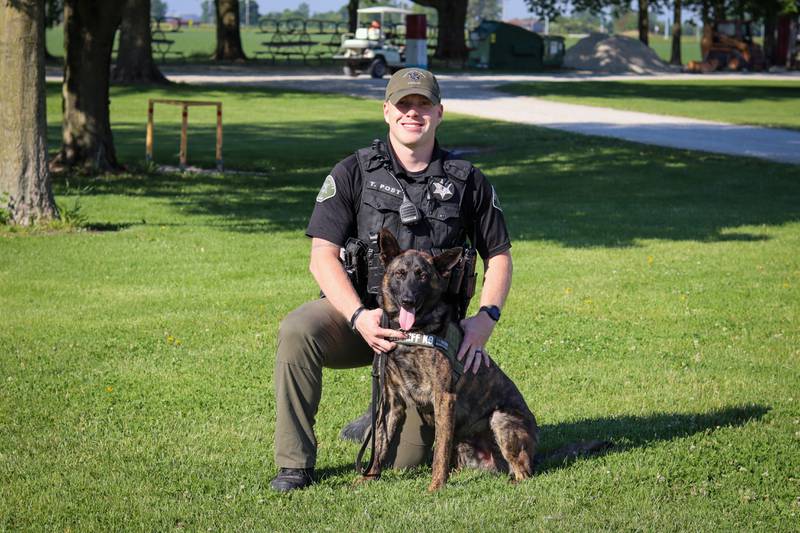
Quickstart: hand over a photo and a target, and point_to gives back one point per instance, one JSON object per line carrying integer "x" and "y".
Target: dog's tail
{"x": 574, "y": 450}
{"x": 356, "y": 430}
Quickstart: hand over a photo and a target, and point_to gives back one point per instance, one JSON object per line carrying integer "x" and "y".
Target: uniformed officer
{"x": 376, "y": 187}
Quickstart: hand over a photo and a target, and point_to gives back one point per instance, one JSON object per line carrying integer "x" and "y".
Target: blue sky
{"x": 511, "y": 8}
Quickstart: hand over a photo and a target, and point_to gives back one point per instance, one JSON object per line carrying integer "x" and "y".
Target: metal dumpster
{"x": 497, "y": 45}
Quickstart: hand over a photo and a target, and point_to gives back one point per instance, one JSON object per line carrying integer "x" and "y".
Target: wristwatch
{"x": 492, "y": 310}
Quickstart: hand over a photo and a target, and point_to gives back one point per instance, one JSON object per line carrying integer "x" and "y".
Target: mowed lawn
{"x": 655, "y": 304}
{"x": 768, "y": 103}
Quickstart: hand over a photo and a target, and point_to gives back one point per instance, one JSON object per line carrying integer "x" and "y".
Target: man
{"x": 430, "y": 201}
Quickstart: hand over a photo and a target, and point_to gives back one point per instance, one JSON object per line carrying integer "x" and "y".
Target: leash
{"x": 378, "y": 378}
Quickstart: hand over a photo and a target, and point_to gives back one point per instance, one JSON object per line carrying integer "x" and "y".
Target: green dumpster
{"x": 497, "y": 45}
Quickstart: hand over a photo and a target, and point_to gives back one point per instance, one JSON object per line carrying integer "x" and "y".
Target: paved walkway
{"x": 477, "y": 95}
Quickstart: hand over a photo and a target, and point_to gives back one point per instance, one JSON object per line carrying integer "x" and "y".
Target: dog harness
{"x": 448, "y": 345}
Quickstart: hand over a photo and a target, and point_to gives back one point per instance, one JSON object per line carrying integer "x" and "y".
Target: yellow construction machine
{"x": 728, "y": 45}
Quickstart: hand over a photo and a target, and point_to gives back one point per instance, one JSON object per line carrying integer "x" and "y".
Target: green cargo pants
{"x": 311, "y": 337}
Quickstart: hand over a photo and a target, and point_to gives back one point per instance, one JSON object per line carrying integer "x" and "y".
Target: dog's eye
{"x": 422, "y": 275}
{"x": 401, "y": 274}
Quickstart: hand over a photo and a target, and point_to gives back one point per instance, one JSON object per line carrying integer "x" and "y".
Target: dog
{"x": 481, "y": 420}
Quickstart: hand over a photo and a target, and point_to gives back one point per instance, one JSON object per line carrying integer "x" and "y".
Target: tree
{"x": 25, "y": 188}
{"x": 53, "y": 11}
{"x": 158, "y": 9}
{"x": 675, "y": 56}
{"x": 229, "y": 40}
{"x": 478, "y": 10}
{"x": 644, "y": 22}
{"x": 451, "y": 43}
{"x": 352, "y": 15}
{"x": 253, "y": 16}
{"x": 207, "y": 11}
{"x": 89, "y": 27}
{"x": 135, "y": 57}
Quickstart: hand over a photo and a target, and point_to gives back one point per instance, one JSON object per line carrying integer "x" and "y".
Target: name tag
{"x": 387, "y": 189}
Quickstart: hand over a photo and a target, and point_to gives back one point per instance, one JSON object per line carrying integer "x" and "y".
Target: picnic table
{"x": 159, "y": 38}
{"x": 295, "y": 38}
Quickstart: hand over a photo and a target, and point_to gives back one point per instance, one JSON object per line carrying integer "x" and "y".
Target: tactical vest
{"x": 441, "y": 200}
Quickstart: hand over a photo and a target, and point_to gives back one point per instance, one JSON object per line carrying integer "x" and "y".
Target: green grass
{"x": 655, "y": 303}
{"x": 755, "y": 102}
{"x": 196, "y": 44}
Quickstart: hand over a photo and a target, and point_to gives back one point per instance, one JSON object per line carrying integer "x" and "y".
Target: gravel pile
{"x": 614, "y": 54}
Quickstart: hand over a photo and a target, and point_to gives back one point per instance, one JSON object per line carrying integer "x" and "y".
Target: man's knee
{"x": 295, "y": 338}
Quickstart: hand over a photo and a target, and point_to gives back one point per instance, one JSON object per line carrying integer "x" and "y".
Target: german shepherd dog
{"x": 480, "y": 420}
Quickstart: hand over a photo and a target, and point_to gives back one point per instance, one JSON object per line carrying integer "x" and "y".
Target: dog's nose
{"x": 407, "y": 301}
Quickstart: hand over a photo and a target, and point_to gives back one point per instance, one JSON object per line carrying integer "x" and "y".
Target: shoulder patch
{"x": 495, "y": 201}
{"x": 328, "y": 190}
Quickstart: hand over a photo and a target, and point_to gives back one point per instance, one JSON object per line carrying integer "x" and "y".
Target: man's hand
{"x": 368, "y": 325}
{"x": 477, "y": 330}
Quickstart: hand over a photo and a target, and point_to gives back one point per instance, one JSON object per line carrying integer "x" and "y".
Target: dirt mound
{"x": 614, "y": 54}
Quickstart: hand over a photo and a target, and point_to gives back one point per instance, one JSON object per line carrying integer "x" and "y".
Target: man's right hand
{"x": 368, "y": 325}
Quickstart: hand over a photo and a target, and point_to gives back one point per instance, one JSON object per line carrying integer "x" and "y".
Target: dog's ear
{"x": 388, "y": 246}
{"x": 445, "y": 261}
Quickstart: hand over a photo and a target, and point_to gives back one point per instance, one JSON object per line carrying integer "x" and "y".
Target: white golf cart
{"x": 374, "y": 48}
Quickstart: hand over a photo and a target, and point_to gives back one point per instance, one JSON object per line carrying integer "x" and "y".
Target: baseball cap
{"x": 412, "y": 81}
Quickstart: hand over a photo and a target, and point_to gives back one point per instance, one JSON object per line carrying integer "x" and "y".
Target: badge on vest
{"x": 328, "y": 190}
{"x": 495, "y": 201}
{"x": 443, "y": 189}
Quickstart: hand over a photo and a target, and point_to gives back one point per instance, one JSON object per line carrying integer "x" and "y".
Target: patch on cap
{"x": 415, "y": 75}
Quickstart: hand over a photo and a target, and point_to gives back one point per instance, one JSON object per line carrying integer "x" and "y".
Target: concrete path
{"x": 477, "y": 95}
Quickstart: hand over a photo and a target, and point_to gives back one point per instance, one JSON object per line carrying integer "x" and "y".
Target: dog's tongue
{"x": 406, "y": 319}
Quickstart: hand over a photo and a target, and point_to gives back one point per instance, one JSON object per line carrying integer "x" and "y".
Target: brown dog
{"x": 482, "y": 416}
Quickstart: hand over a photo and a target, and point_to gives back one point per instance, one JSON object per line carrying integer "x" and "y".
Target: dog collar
{"x": 448, "y": 344}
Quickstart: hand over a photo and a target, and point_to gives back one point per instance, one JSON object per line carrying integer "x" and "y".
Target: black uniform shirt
{"x": 334, "y": 215}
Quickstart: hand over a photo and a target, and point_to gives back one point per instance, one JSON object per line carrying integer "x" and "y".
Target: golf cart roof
{"x": 384, "y": 9}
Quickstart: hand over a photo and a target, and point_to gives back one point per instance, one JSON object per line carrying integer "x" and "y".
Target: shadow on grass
{"x": 624, "y": 433}
{"x": 628, "y": 432}
{"x": 577, "y": 191}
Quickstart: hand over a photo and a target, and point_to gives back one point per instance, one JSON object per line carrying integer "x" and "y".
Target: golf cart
{"x": 372, "y": 49}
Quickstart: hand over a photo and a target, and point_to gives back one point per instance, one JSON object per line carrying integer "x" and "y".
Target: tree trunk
{"x": 135, "y": 57}
{"x": 644, "y": 22}
{"x": 770, "y": 25}
{"x": 87, "y": 143}
{"x": 352, "y": 15}
{"x": 25, "y": 188}
{"x": 451, "y": 44}
{"x": 229, "y": 40}
{"x": 675, "y": 56}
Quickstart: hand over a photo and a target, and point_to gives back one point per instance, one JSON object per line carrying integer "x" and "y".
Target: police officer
{"x": 430, "y": 200}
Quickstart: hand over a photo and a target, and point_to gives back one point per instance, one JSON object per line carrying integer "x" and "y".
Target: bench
{"x": 161, "y": 44}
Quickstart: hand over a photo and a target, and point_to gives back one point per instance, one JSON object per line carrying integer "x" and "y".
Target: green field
{"x": 197, "y": 43}
{"x": 755, "y": 102}
{"x": 655, "y": 303}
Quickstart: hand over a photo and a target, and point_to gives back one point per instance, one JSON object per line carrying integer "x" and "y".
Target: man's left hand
{"x": 477, "y": 330}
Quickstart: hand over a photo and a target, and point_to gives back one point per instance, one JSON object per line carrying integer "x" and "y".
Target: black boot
{"x": 357, "y": 429}
{"x": 292, "y": 478}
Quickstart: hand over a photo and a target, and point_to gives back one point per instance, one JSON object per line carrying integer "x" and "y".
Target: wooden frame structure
{"x": 184, "y": 126}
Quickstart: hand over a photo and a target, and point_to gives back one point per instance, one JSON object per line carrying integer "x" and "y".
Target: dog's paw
{"x": 363, "y": 480}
